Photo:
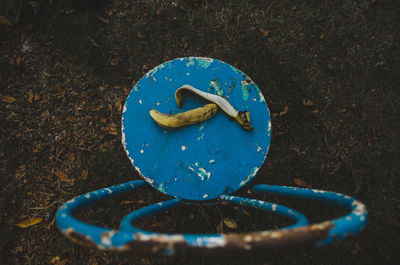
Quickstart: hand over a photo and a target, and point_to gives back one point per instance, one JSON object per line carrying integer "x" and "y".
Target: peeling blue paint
{"x": 204, "y": 62}
{"x": 215, "y": 87}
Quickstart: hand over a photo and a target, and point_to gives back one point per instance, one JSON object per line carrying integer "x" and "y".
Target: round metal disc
{"x": 205, "y": 160}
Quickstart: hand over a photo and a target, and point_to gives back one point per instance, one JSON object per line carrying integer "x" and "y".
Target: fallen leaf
{"x": 61, "y": 92}
{"x": 84, "y": 174}
{"x": 62, "y": 262}
{"x": 103, "y": 19}
{"x": 264, "y": 32}
{"x": 127, "y": 202}
{"x": 220, "y": 227}
{"x": 62, "y": 176}
{"x": 230, "y": 223}
{"x": 30, "y": 95}
{"x": 29, "y": 222}
{"x": 118, "y": 105}
{"x": 322, "y": 36}
{"x": 309, "y": 102}
{"x": 55, "y": 259}
{"x": 284, "y": 111}
{"x": 7, "y": 99}
{"x": 18, "y": 60}
{"x": 145, "y": 261}
{"x": 301, "y": 183}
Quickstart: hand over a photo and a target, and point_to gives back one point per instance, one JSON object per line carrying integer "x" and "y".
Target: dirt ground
{"x": 329, "y": 71}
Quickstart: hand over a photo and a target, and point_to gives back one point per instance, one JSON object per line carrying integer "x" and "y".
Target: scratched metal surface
{"x": 202, "y": 161}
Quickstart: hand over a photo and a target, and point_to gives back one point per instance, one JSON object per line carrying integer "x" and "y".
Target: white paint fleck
{"x": 203, "y": 174}
{"x": 202, "y": 126}
{"x": 158, "y": 103}
{"x": 124, "y": 109}
{"x": 141, "y": 151}
{"x": 196, "y": 164}
{"x": 200, "y": 137}
{"x": 212, "y": 161}
{"x": 183, "y": 148}
{"x": 191, "y": 168}
{"x": 140, "y": 101}
{"x": 205, "y": 195}
{"x": 274, "y": 207}
{"x": 87, "y": 195}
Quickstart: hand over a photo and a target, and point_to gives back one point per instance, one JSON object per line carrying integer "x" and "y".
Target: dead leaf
{"x": 118, "y": 105}
{"x": 220, "y": 227}
{"x": 103, "y": 19}
{"x": 246, "y": 212}
{"x": 301, "y": 183}
{"x": 103, "y": 120}
{"x": 29, "y": 222}
{"x": 18, "y": 60}
{"x": 264, "y": 32}
{"x": 62, "y": 262}
{"x": 145, "y": 261}
{"x": 55, "y": 259}
{"x": 61, "y": 92}
{"x": 84, "y": 174}
{"x": 127, "y": 202}
{"x": 230, "y": 223}
{"x": 62, "y": 176}
{"x": 284, "y": 111}
{"x": 309, "y": 102}
{"x": 30, "y": 96}
{"x": 322, "y": 36}
{"x": 20, "y": 172}
{"x": 7, "y": 99}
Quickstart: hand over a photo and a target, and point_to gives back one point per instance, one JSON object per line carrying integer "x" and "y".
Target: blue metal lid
{"x": 205, "y": 160}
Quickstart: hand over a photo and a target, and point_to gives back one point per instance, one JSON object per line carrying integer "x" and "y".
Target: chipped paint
{"x": 190, "y": 62}
{"x": 183, "y": 148}
{"x": 161, "y": 187}
{"x": 201, "y": 137}
{"x": 215, "y": 87}
{"x": 212, "y": 161}
{"x": 204, "y": 62}
{"x": 253, "y": 172}
{"x": 203, "y": 174}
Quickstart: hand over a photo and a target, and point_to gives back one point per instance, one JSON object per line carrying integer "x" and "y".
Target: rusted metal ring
{"x": 141, "y": 242}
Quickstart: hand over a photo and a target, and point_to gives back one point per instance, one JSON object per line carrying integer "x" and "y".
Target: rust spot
{"x": 80, "y": 239}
